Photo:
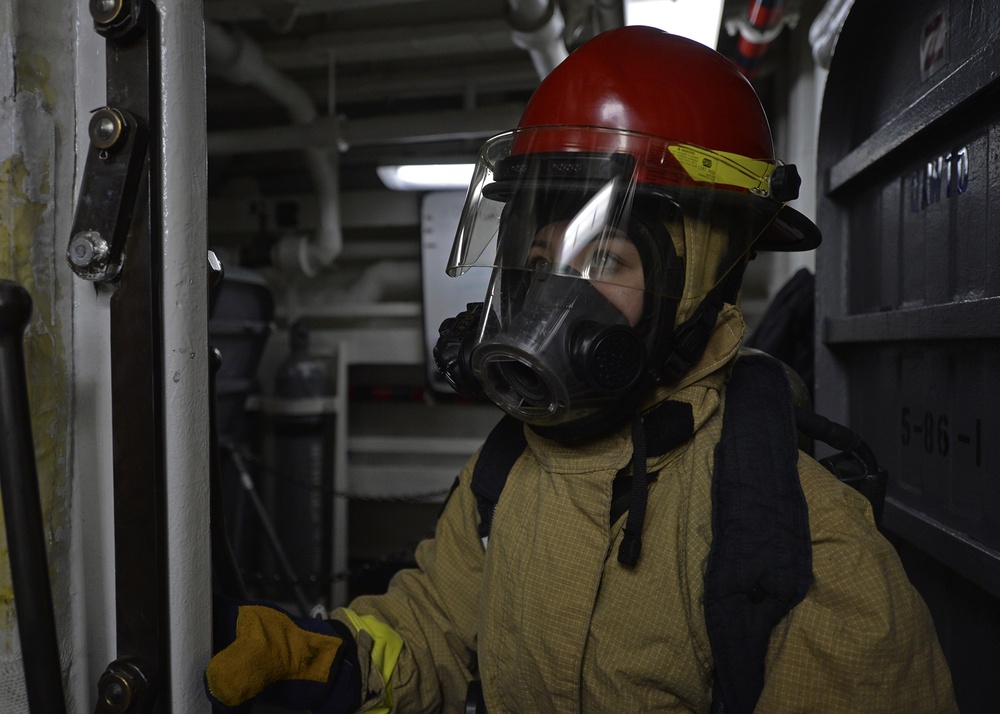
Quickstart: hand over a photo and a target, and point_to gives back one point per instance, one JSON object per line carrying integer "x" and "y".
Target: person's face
{"x": 610, "y": 261}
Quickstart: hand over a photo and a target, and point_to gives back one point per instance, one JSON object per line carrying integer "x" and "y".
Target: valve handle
{"x": 23, "y": 512}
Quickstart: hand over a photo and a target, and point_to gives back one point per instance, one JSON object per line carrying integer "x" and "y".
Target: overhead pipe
{"x": 334, "y": 132}
{"x": 763, "y": 23}
{"x": 248, "y": 11}
{"x": 537, "y": 26}
{"x": 29, "y": 570}
{"x": 372, "y": 291}
{"x": 384, "y": 288}
{"x": 238, "y": 59}
{"x": 377, "y": 279}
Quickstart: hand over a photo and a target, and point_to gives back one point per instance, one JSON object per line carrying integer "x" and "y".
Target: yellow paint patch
{"x": 27, "y": 256}
{"x": 33, "y": 74}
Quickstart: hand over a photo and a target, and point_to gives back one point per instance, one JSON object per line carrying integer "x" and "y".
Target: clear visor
{"x": 615, "y": 208}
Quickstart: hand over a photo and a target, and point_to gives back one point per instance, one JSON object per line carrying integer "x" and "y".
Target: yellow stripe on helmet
{"x": 721, "y": 167}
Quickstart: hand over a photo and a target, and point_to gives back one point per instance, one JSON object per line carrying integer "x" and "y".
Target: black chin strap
{"x": 631, "y": 545}
{"x": 686, "y": 348}
{"x": 690, "y": 339}
{"x": 664, "y": 428}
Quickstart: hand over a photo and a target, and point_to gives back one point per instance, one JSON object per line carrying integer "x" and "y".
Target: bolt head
{"x": 104, "y": 128}
{"x": 116, "y": 692}
{"x": 122, "y": 687}
{"x": 105, "y": 11}
{"x": 87, "y": 249}
{"x": 107, "y": 127}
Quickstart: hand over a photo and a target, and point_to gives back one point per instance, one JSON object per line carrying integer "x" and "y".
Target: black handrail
{"x": 23, "y": 512}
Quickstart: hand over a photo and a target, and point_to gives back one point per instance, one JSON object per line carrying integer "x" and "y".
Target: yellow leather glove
{"x": 294, "y": 662}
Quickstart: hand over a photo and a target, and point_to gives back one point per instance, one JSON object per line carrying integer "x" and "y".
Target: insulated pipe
{"x": 761, "y": 26}
{"x": 22, "y": 510}
{"x": 239, "y": 60}
{"x": 377, "y": 279}
{"x": 538, "y": 28}
{"x": 372, "y": 293}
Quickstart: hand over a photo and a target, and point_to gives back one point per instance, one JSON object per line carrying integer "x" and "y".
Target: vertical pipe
{"x": 182, "y": 184}
{"x": 341, "y": 481}
{"x": 238, "y": 59}
{"x": 23, "y": 512}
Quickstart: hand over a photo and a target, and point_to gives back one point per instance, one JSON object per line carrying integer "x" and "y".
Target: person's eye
{"x": 539, "y": 263}
{"x": 604, "y": 262}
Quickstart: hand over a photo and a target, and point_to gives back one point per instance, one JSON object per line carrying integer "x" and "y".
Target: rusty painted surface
{"x": 27, "y": 255}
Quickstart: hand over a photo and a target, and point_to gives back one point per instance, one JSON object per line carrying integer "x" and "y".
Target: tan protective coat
{"x": 559, "y": 625}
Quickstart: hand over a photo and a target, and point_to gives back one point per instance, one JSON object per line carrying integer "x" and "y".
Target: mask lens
{"x": 523, "y": 380}
{"x": 520, "y": 384}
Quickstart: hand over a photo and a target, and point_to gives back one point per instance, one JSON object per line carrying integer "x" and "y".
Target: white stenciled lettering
{"x": 943, "y": 176}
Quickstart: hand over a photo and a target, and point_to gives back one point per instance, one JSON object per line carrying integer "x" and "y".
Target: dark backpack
{"x": 760, "y": 562}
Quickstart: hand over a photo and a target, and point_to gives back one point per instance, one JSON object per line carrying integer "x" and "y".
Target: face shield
{"x": 592, "y": 181}
{"x": 595, "y": 238}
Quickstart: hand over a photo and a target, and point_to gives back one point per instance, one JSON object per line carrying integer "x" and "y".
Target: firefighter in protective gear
{"x": 617, "y": 220}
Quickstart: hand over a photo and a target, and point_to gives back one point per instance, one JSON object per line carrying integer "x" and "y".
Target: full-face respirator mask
{"x": 566, "y": 350}
{"x": 589, "y": 266}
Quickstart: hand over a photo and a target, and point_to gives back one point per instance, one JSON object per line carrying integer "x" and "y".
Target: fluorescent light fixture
{"x": 426, "y": 177}
{"x": 697, "y": 19}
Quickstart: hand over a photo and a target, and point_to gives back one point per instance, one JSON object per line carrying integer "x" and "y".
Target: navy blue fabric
{"x": 760, "y": 562}
{"x": 667, "y": 426}
{"x": 786, "y": 330}
{"x": 502, "y": 448}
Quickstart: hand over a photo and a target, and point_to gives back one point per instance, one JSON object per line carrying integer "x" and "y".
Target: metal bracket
{"x": 111, "y": 178}
{"x": 116, "y": 236}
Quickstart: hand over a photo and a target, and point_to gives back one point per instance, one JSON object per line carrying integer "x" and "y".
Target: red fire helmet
{"x": 645, "y": 81}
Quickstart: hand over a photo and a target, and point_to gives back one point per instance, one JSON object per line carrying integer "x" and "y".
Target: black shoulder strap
{"x": 760, "y": 562}
{"x": 502, "y": 448}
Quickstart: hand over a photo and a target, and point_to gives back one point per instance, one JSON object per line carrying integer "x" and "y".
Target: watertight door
{"x": 908, "y": 296}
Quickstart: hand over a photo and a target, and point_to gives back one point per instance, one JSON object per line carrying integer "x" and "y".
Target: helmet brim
{"x": 790, "y": 231}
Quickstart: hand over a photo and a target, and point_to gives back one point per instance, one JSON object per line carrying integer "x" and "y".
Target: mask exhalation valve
{"x": 610, "y": 358}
